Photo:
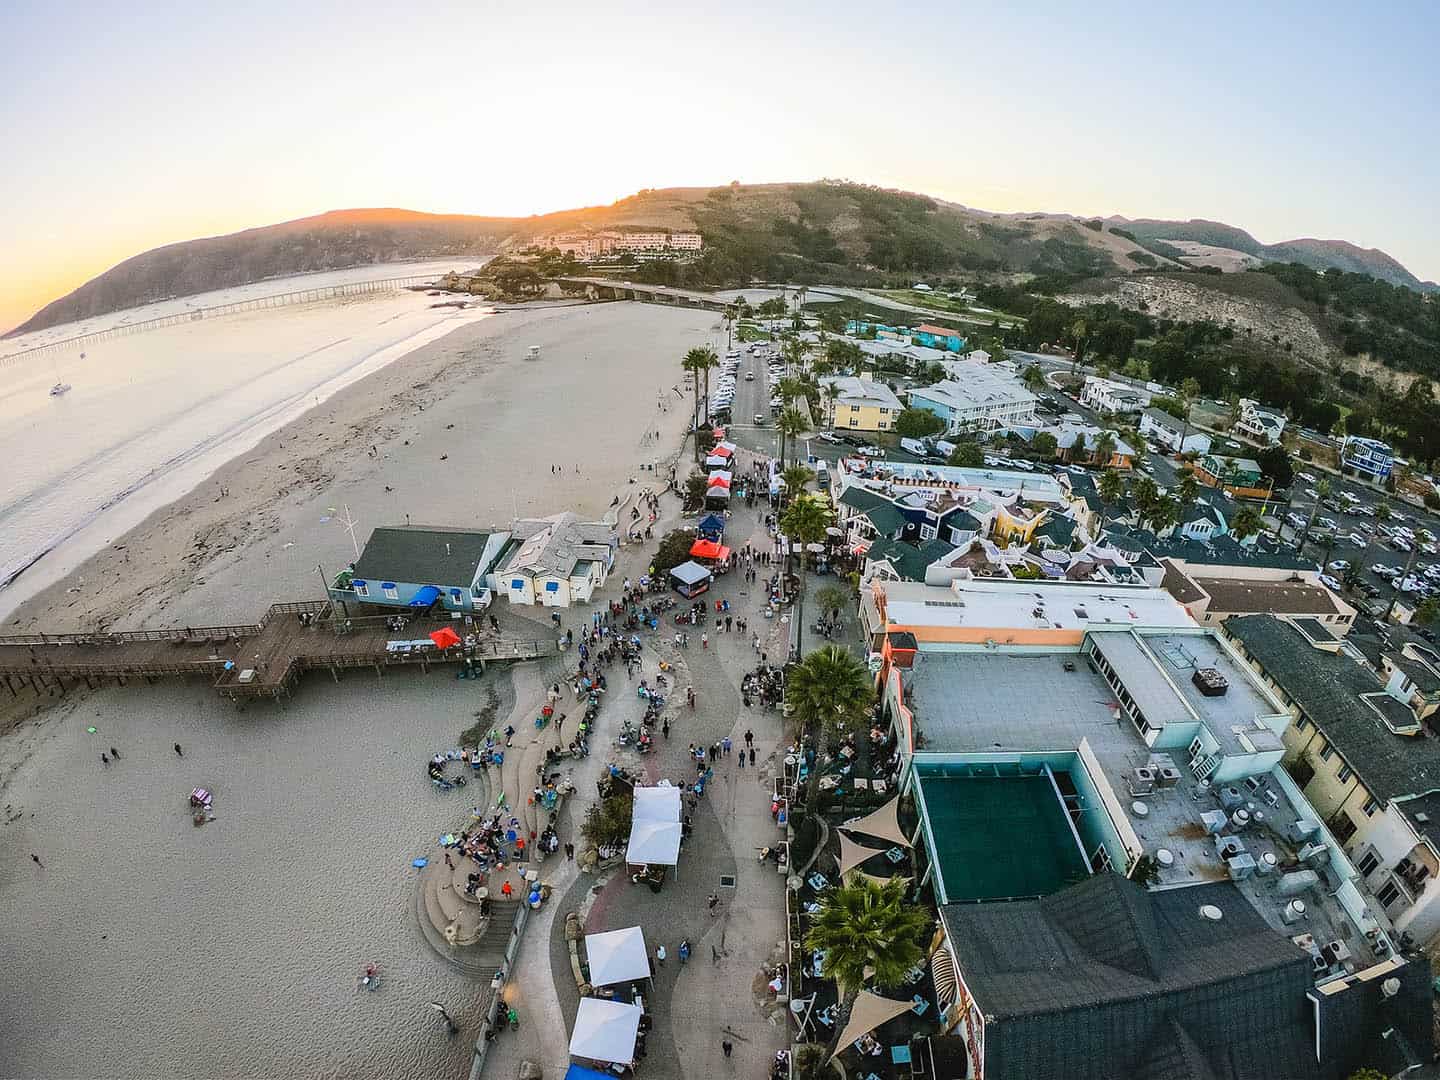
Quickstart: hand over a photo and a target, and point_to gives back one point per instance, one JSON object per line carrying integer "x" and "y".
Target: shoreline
{"x": 327, "y": 448}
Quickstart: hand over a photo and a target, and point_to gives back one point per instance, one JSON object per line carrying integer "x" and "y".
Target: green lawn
{"x": 939, "y": 302}
{"x": 751, "y": 332}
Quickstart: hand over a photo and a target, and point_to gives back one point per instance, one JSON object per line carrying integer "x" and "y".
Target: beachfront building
{"x": 1356, "y": 747}
{"x": 558, "y": 560}
{"x": 1240, "y": 478}
{"x": 859, "y": 404}
{"x": 1262, "y": 426}
{"x": 1044, "y": 775}
{"x": 1172, "y": 433}
{"x": 1216, "y": 592}
{"x": 598, "y": 245}
{"x": 1109, "y": 396}
{"x": 976, "y": 397}
{"x": 1367, "y": 459}
{"x": 423, "y": 567}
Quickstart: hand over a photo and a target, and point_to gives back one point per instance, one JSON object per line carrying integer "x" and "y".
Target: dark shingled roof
{"x": 1423, "y": 812}
{"x": 1059, "y": 530}
{"x": 1104, "y": 980}
{"x": 417, "y": 554}
{"x": 1327, "y": 688}
{"x": 908, "y": 559}
{"x": 1275, "y": 597}
{"x": 1178, "y": 585}
{"x": 886, "y": 519}
{"x": 859, "y": 498}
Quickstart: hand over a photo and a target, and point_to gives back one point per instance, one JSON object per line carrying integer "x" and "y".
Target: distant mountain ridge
{"x": 1316, "y": 254}
{"x": 837, "y": 231}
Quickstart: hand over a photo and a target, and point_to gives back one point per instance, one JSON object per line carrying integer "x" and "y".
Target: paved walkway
{"x": 721, "y": 993}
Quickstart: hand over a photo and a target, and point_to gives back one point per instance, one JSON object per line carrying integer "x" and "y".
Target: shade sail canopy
{"x": 654, "y": 843}
{"x": 425, "y": 597}
{"x": 617, "y": 956}
{"x": 883, "y": 823}
{"x": 853, "y": 854}
{"x": 606, "y": 1030}
{"x": 445, "y": 638}
{"x": 690, "y": 573}
{"x": 869, "y": 1012}
{"x": 659, "y": 803}
{"x": 709, "y": 549}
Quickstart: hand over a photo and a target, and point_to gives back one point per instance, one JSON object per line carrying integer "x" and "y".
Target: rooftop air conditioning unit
{"x": 1167, "y": 776}
{"x": 1294, "y": 912}
{"x": 1210, "y": 682}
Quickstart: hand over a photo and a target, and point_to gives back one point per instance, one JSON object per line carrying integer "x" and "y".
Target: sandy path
{"x": 148, "y": 947}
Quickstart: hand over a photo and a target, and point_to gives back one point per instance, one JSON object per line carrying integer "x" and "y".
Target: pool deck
{"x": 993, "y": 703}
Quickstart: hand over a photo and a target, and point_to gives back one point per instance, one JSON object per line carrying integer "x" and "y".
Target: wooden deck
{"x": 263, "y": 659}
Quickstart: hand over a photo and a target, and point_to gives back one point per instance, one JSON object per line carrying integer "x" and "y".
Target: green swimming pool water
{"x": 1000, "y": 837}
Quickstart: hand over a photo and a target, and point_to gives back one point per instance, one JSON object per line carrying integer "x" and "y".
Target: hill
{"x": 1159, "y": 235}
{"x": 830, "y": 231}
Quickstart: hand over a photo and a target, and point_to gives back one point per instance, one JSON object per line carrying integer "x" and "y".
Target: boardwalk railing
{"x": 186, "y": 634}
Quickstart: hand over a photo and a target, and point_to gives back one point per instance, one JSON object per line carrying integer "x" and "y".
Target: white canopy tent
{"x": 654, "y": 842}
{"x": 605, "y": 1030}
{"x": 659, "y": 803}
{"x": 617, "y": 956}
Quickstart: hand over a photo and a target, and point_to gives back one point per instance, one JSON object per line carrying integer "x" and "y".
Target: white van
{"x": 915, "y": 446}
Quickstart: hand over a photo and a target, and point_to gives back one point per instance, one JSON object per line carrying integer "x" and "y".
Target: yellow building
{"x": 1017, "y": 523}
{"x": 857, "y": 404}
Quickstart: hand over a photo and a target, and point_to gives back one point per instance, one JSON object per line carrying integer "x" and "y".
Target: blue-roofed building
{"x": 1369, "y": 459}
{"x": 938, "y": 337}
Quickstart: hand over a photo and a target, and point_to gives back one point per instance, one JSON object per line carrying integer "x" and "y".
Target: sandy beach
{"x": 152, "y": 948}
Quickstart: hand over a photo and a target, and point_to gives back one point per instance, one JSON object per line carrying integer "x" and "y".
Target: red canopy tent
{"x": 445, "y": 638}
{"x": 718, "y": 480}
{"x": 721, "y": 451}
{"x": 709, "y": 549}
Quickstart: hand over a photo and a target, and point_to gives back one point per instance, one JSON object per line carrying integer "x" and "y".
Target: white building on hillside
{"x": 1259, "y": 425}
{"x": 1172, "y": 433}
{"x": 977, "y": 397}
{"x": 1109, "y": 396}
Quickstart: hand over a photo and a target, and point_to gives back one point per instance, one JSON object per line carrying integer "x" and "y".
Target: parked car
{"x": 871, "y": 451}
{"x": 825, "y": 436}
{"x": 1339, "y": 566}
{"x": 1330, "y": 583}
{"x": 1305, "y": 476}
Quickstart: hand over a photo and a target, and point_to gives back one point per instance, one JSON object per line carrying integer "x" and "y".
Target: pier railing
{"x": 297, "y": 296}
{"x": 179, "y": 635}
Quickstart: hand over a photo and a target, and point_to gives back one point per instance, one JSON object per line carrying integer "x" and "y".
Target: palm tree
{"x": 1189, "y": 391}
{"x": 795, "y": 478}
{"x": 868, "y": 931}
{"x": 1111, "y": 487}
{"x": 1164, "y": 513}
{"x": 1246, "y": 523}
{"x": 1188, "y": 488}
{"x": 804, "y": 522}
{"x": 1081, "y": 333}
{"x": 698, "y": 362}
{"x": 1104, "y": 449}
{"x": 1146, "y": 494}
{"x": 832, "y": 691}
{"x": 1033, "y": 378}
{"x": 791, "y": 424}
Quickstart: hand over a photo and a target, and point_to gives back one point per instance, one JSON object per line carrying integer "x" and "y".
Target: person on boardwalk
{"x": 660, "y": 955}
{"x": 713, "y": 903}
{"x": 178, "y": 751}
{"x": 752, "y": 755}
{"x": 569, "y": 852}
{"x": 749, "y": 737}
{"x": 506, "y": 891}
{"x": 704, "y": 641}
{"x": 684, "y": 950}
{"x": 726, "y": 1046}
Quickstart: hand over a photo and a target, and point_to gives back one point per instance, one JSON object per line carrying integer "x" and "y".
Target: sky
{"x": 127, "y": 126}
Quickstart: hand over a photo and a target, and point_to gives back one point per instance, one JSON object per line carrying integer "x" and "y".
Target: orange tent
{"x": 709, "y": 549}
{"x": 445, "y": 638}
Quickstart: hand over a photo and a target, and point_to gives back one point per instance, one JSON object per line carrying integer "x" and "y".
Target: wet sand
{"x": 148, "y": 947}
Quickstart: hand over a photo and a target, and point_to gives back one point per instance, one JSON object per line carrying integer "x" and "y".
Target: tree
{"x": 831, "y": 692}
{"x": 607, "y": 823}
{"x": 1033, "y": 378}
{"x": 791, "y": 424}
{"x": 833, "y": 598}
{"x": 1045, "y": 445}
{"x": 1146, "y": 494}
{"x": 1104, "y": 449}
{"x": 1275, "y": 463}
{"x": 1428, "y": 611}
{"x": 1246, "y": 523}
{"x": 674, "y": 550}
{"x": 1114, "y": 338}
{"x": 1188, "y": 487}
{"x": 1080, "y": 337}
{"x": 997, "y": 350}
{"x": 967, "y": 455}
{"x": 795, "y": 478}
{"x": 804, "y": 522}
{"x": 1112, "y": 488}
{"x": 696, "y": 484}
{"x": 918, "y": 423}
{"x": 870, "y": 932}
{"x": 1164, "y": 513}
{"x": 698, "y": 362}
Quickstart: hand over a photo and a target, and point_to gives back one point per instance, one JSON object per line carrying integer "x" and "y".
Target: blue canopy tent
{"x": 426, "y": 596}
{"x": 579, "y": 1072}
{"x": 712, "y": 526}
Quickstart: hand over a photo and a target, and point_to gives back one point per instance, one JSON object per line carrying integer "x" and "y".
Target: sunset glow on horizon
{"x": 136, "y": 129}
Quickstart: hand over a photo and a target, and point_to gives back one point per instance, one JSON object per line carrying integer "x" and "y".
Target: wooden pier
{"x": 256, "y": 660}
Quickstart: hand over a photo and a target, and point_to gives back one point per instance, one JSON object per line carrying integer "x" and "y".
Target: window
{"x": 1370, "y": 807}
{"x": 1326, "y": 751}
{"x": 1301, "y": 724}
{"x": 361, "y": 588}
{"x": 391, "y": 593}
{"x": 1389, "y": 894}
{"x": 854, "y": 422}
{"x": 1345, "y": 773}
{"x": 1343, "y": 827}
{"x": 1367, "y": 865}
{"x": 928, "y": 532}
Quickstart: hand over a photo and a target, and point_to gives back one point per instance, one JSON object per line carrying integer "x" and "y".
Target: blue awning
{"x": 357, "y": 583}
{"x": 579, "y": 1072}
{"x": 552, "y": 586}
{"x": 387, "y": 584}
{"x": 425, "y": 597}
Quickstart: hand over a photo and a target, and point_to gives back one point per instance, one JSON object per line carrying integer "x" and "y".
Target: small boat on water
{"x": 59, "y": 388}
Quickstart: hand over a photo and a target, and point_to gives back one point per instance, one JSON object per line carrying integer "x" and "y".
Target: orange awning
{"x": 709, "y": 549}
{"x": 445, "y": 638}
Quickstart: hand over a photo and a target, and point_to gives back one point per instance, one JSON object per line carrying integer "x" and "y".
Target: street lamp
{"x": 441, "y": 1010}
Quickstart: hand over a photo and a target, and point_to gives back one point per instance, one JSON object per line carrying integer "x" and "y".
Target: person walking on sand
{"x": 178, "y": 751}
{"x": 115, "y": 753}
{"x": 726, "y": 1046}
{"x": 104, "y": 760}
{"x": 36, "y": 860}
{"x": 713, "y": 902}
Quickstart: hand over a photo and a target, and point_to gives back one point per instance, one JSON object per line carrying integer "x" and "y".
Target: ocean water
{"x": 151, "y": 414}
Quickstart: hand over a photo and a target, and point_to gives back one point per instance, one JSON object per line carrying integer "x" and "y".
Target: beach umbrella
{"x": 445, "y": 637}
